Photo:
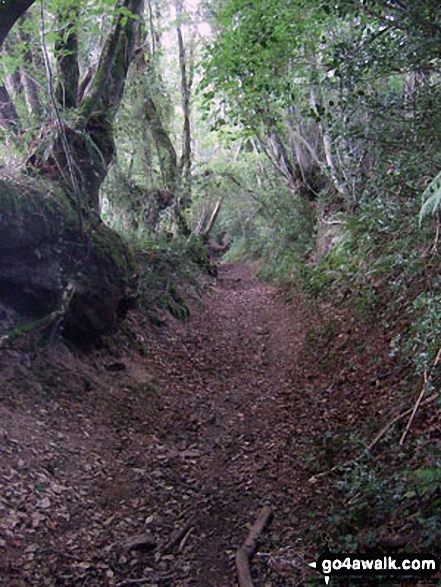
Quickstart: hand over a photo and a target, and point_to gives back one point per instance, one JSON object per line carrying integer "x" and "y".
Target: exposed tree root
{"x": 245, "y": 552}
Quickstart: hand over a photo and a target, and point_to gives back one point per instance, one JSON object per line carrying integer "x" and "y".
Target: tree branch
{"x": 246, "y": 550}
{"x": 66, "y": 52}
{"x": 107, "y": 86}
{"x": 166, "y": 152}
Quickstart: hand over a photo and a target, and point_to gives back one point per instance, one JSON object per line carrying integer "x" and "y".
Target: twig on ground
{"x": 376, "y": 440}
{"x": 427, "y": 379}
{"x": 60, "y": 553}
{"x": 317, "y": 476}
{"x": 185, "y": 539}
{"x": 179, "y": 535}
{"x": 415, "y": 408}
{"x": 383, "y": 431}
{"x": 130, "y": 582}
{"x": 245, "y": 552}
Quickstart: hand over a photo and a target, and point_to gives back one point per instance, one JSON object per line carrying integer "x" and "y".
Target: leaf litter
{"x": 120, "y": 467}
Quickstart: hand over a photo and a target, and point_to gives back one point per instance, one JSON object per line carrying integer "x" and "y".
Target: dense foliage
{"x": 338, "y": 103}
{"x": 308, "y": 133}
{"x": 342, "y": 99}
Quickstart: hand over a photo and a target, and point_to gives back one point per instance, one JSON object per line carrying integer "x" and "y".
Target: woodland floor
{"x": 152, "y": 464}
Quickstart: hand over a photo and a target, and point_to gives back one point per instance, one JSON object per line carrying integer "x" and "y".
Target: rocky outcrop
{"x": 43, "y": 251}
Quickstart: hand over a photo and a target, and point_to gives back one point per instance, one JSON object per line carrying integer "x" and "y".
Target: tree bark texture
{"x": 184, "y": 192}
{"x": 34, "y": 63}
{"x": 90, "y": 141}
{"x": 186, "y": 133}
{"x": 66, "y": 51}
{"x": 107, "y": 86}
{"x": 9, "y": 119}
{"x": 168, "y": 161}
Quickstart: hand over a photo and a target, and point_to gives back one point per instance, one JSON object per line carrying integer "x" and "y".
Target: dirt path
{"x": 233, "y": 402}
{"x": 211, "y": 425}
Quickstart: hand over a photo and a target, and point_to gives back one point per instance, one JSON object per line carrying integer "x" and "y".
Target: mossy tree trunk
{"x": 186, "y": 83}
{"x": 168, "y": 161}
{"x": 175, "y": 171}
{"x": 9, "y": 119}
{"x": 56, "y": 238}
{"x": 84, "y": 148}
{"x": 87, "y": 147}
{"x": 68, "y": 70}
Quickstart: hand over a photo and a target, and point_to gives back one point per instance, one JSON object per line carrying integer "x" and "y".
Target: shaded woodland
{"x": 227, "y": 216}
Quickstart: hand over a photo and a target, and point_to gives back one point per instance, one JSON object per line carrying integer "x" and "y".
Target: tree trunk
{"x": 81, "y": 154}
{"x": 184, "y": 195}
{"x": 31, "y": 93}
{"x": 107, "y": 86}
{"x": 32, "y": 57}
{"x": 66, "y": 51}
{"x": 326, "y": 138}
{"x": 168, "y": 160}
{"x": 185, "y": 165}
{"x": 44, "y": 245}
{"x": 9, "y": 119}
{"x": 153, "y": 33}
{"x": 214, "y": 216}
{"x": 147, "y": 160}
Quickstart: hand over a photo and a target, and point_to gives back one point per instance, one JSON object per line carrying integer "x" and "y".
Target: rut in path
{"x": 234, "y": 405}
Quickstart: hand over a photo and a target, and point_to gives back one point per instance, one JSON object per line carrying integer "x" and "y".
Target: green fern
{"x": 428, "y": 479}
{"x": 431, "y": 198}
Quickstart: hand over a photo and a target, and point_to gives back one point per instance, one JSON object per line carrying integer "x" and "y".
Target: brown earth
{"x": 147, "y": 461}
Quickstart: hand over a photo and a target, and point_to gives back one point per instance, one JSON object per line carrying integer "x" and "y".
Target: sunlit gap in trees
{"x": 192, "y": 7}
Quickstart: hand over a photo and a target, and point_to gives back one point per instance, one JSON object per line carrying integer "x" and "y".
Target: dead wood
{"x": 400, "y": 417}
{"x": 246, "y": 551}
{"x": 144, "y": 542}
{"x": 427, "y": 380}
{"x": 179, "y": 535}
{"x": 185, "y": 539}
{"x": 377, "y": 438}
{"x": 129, "y": 582}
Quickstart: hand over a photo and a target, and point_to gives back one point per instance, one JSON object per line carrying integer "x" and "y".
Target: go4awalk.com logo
{"x": 362, "y": 565}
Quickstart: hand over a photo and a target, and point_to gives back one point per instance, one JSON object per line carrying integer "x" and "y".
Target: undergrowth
{"x": 384, "y": 263}
{"x": 279, "y": 236}
{"x": 385, "y": 503}
{"x": 168, "y": 270}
